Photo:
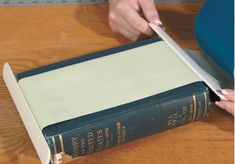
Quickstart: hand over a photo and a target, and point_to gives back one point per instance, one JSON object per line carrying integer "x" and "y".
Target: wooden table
{"x": 35, "y": 36}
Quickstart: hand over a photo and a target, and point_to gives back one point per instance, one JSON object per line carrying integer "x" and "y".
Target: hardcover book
{"x": 86, "y": 104}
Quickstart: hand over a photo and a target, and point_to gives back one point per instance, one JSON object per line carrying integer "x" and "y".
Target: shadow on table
{"x": 179, "y": 25}
{"x": 221, "y": 119}
{"x": 97, "y": 21}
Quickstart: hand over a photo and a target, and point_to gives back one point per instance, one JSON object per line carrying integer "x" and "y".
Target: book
{"x": 86, "y": 104}
{"x": 122, "y": 124}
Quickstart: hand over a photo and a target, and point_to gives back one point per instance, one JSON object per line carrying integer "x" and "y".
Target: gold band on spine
{"x": 194, "y": 108}
{"x": 205, "y": 110}
{"x": 61, "y": 143}
{"x": 53, "y": 141}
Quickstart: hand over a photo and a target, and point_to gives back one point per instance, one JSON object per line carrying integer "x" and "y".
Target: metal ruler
{"x": 56, "y": 2}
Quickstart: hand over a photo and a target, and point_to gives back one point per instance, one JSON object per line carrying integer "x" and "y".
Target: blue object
{"x": 214, "y": 30}
{"x": 127, "y": 122}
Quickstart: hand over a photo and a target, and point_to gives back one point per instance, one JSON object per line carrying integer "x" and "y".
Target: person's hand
{"x": 124, "y": 17}
{"x": 228, "y": 104}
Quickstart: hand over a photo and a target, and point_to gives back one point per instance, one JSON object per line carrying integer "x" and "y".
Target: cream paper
{"x": 105, "y": 82}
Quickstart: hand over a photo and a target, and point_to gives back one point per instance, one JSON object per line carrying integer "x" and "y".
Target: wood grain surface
{"x": 39, "y": 35}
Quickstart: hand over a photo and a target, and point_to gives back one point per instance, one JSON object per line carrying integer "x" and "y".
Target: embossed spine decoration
{"x": 151, "y": 117}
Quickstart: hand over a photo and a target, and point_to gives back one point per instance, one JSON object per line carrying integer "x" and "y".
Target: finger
{"x": 135, "y": 5}
{"x": 227, "y": 105}
{"x": 228, "y": 94}
{"x": 121, "y": 23}
{"x": 125, "y": 32}
{"x": 137, "y": 22}
{"x": 150, "y": 11}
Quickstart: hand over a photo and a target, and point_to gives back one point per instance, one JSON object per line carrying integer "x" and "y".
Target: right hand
{"x": 124, "y": 17}
{"x": 228, "y": 104}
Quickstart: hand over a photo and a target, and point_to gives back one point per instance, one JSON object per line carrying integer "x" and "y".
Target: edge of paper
{"x": 26, "y": 115}
{"x": 212, "y": 83}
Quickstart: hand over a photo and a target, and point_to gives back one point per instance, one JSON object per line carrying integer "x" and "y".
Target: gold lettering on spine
{"x": 205, "y": 110}
{"x": 61, "y": 143}
{"x": 184, "y": 114}
{"x": 172, "y": 120}
{"x": 54, "y": 144}
{"x": 83, "y": 146}
{"x": 90, "y": 142}
{"x": 190, "y": 113}
{"x": 118, "y": 133}
{"x": 194, "y": 108}
{"x": 107, "y": 137}
{"x": 75, "y": 146}
{"x": 199, "y": 110}
{"x": 123, "y": 134}
{"x": 100, "y": 139}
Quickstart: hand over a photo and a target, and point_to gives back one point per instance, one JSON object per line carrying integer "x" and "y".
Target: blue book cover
{"x": 93, "y": 102}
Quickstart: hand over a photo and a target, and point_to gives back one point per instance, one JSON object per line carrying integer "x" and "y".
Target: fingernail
{"x": 224, "y": 91}
{"x": 158, "y": 22}
{"x": 217, "y": 103}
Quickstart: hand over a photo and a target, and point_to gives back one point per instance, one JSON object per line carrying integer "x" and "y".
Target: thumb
{"x": 150, "y": 11}
{"x": 227, "y": 105}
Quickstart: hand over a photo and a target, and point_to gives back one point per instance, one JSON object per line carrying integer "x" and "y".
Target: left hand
{"x": 125, "y": 17}
{"x": 228, "y": 104}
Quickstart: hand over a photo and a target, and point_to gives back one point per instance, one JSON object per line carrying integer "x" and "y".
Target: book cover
{"x": 75, "y": 101}
{"x": 122, "y": 124}
{"x": 86, "y": 104}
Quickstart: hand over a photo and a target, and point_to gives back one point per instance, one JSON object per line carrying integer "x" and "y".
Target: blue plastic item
{"x": 214, "y": 30}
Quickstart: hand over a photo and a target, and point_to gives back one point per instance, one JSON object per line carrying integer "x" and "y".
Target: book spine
{"x": 147, "y": 119}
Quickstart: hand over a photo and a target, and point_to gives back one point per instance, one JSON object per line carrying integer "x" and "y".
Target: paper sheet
{"x": 105, "y": 82}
